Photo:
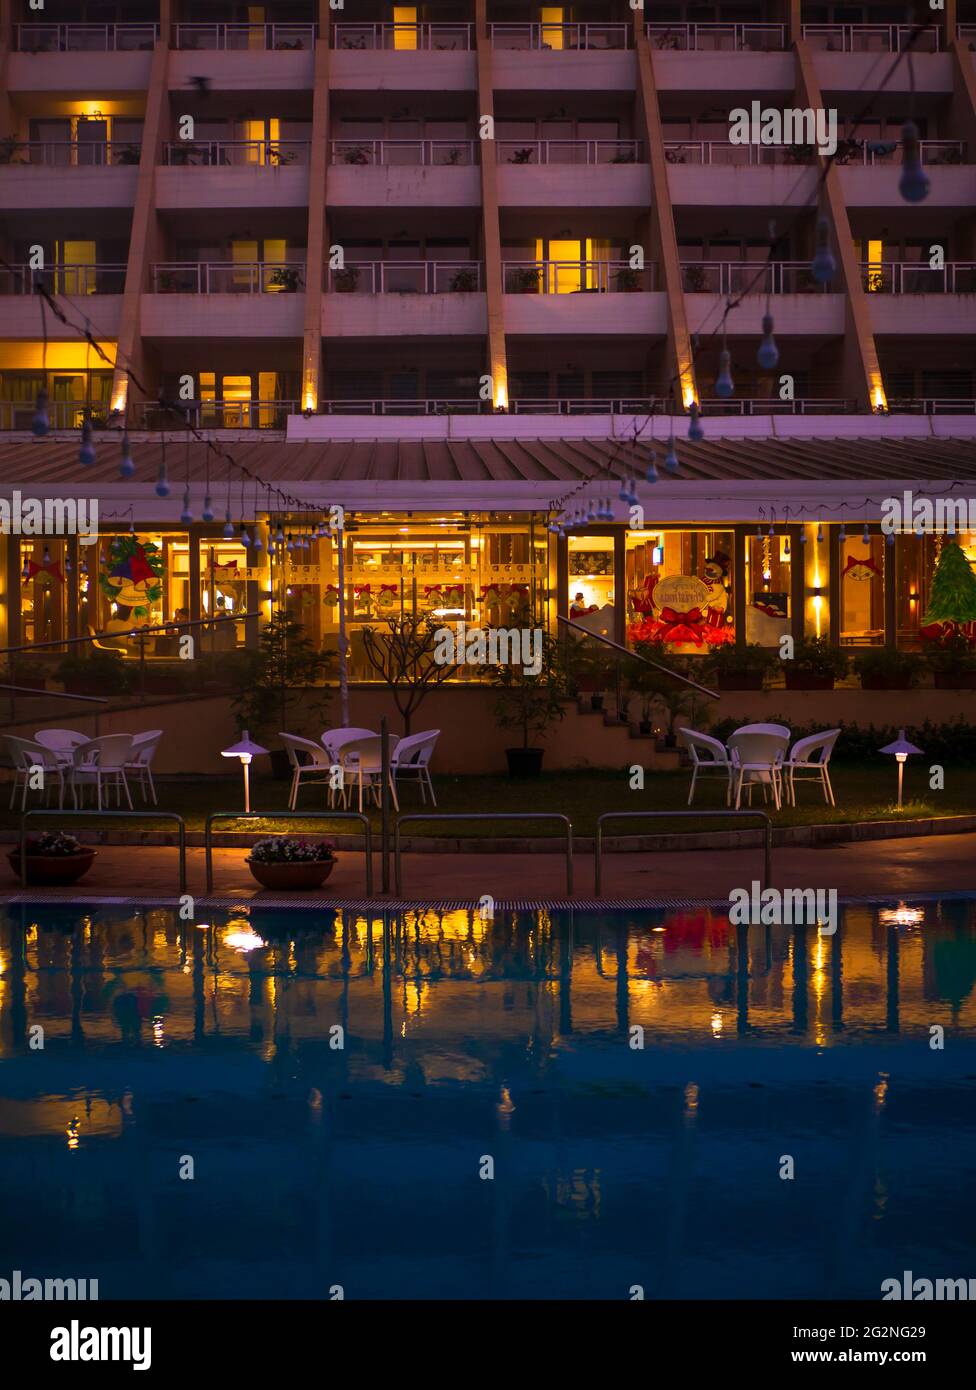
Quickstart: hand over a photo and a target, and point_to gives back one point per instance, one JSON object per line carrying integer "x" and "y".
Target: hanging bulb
{"x": 768, "y": 354}
{"x": 622, "y": 495}
{"x": 786, "y": 548}
{"x": 695, "y": 431}
{"x": 41, "y": 422}
{"x": 770, "y": 533}
{"x": 724, "y": 385}
{"x": 866, "y": 537}
{"x": 228, "y": 526}
{"x": 208, "y": 512}
{"x": 258, "y": 542}
{"x": 671, "y": 464}
{"x": 245, "y": 536}
{"x": 279, "y": 534}
{"x": 591, "y": 512}
{"x": 186, "y": 516}
{"x": 803, "y": 537}
{"x": 25, "y": 572}
{"x": 890, "y": 538}
{"x": 68, "y": 566}
{"x": 758, "y": 531}
{"x": 86, "y": 454}
{"x": 126, "y": 466}
{"x": 914, "y": 182}
{"x": 46, "y": 557}
{"x": 84, "y": 566}
{"x": 651, "y": 475}
{"x": 609, "y": 513}
{"x": 820, "y": 534}
{"x": 823, "y": 266}
{"x": 162, "y": 482}
{"x": 290, "y": 545}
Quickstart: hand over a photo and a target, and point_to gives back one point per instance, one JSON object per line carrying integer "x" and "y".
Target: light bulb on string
{"x": 651, "y": 475}
{"x": 890, "y": 538}
{"x": 671, "y": 463}
{"x": 68, "y": 566}
{"x": 186, "y": 516}
{"x": 914, "y": 182}
{"x": 46, "y": 555}
{"x": 695, "y": 431}
{"x": 591, "y": 511}
{"x": 803, "y": 536}
{"x": 208, "y": 512}
{"x": 258, "y": 543}
{"x": 842, "y": 533}
{"x": 820, "y": 533}
{"x": 823, "y": 267}
{"x": 768, "y": 355}
{"x": 724, "y": 385}
{"x": 126, "y": 465}
{"x": 866, "y": 535}
{"x": 623, "y": 495}
{"x": 245, "y": 536}
{"x": 771, "y": 532}
{"x": 41, "y": 422}
{"x": 228, "y": 526}
{"x": 86, "y": 454}
{"x": 162, "y": 481}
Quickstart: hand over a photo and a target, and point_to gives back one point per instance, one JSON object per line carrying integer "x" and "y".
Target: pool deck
{"x": 888, "y": 868}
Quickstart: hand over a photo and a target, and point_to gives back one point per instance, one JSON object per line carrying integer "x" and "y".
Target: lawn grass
{"x": 863, "y": 793}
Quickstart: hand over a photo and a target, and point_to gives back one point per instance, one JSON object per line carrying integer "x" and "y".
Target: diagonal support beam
{"x": 491, "y": 227}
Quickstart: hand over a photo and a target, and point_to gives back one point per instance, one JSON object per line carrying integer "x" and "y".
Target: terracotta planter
{"x": 53, "y": 868}
{"x": 955, "y": 680}
{"x": 303, "y": 874}
{"x": 808, "y": 680}
{"x": 744, "y": 680}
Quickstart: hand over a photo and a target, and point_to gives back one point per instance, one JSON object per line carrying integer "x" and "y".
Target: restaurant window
{"x": 223, "y": 593}
{"x": 768, "y": 578}
{"x": 862, "y": 568}
{"x": 916, "y": 560}
{"x": 405, "y": 34}
{"x": 133, "y": 580}
{"x": 680, "y": 588}
{"x": 591, "y": 583}
{"x": 43, "y": 589}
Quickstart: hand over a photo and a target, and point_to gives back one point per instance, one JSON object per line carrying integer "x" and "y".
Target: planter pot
{"x": 81, "y": 686}
{"x": 745, "y": 680}
{"x": 310, "y": 873}
{"x": 808, "y": 680}
{"x": 596, "y": 702}
{"x": 955, "y": 680}
{"x": 884, "y": 683}
{"x": 53, "y": 868}
{"x": 645, "y": 728}
{"x": 524, "y": 762}
{"x": 280, "y": 766}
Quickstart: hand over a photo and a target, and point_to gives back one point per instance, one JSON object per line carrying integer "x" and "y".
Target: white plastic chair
{"x": 333, "y": 739}
{"x": 411, "y": 758}
{"x": 780, "y": 729}
{"x": 26, "y": 755}
{"x": 361, "y": 760}
{"x": 140, "y": 761}
{"x": 61, "y": 741}
{"x": 758, "y": 758}
{"x": 708, "y": 757}
{"x": 813, "y": 754}
{"x": 102, "y": 760}
{"x": 309, "y": 761}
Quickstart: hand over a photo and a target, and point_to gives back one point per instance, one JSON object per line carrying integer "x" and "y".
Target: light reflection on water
{"x": 339, "y": 1082}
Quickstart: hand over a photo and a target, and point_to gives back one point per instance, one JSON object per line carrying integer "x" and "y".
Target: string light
{"x": 914, "y": 182}
{"x": 695, "y": 431}
{"x": 86, "y": 454}
{"x": 126, "y": 465}
{"x": 724, "y": 385}
{"x": 823, "y": 266}
{"x": 41, "y": 423}
{"x": 768, "y": 355}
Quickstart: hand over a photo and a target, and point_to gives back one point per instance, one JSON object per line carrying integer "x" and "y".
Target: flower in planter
{"x": 54, "y": 843}
{"x": 286, "y": 849}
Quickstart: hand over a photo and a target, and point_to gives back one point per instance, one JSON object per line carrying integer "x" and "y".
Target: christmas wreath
{"x": 133, "y": 563}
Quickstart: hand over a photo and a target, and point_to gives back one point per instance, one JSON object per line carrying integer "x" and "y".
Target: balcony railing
{"x": 757, "y": 38}
{"x": 408, "y": 277}
{"x": 571, "y": 37}
{"x": 575, "y": 277}
{"x": 269, "y": 154}
{"x": 466, "y": 405}
{"x": 569, "y": 151}
{"x": 70, "y": 154}
{"x": 749, "y": 277}
{"x": 228, "y": 277}
{"x": 929, "y": 405}
{"x": 241, "y": 37}
{"x": 871, "y": 152}
{"x": 871, "y": 38}
{"x": 64, "y": 279}
{"x": 966, "y": 33}
{"x": 213, "y": 415}
{"x": 86, "y": 38}
{"x": 764, "y": 405}
{"x": 404, "y": 38}
{"x": 908, "y": 277}
{"x": 63, "y": 415}
{"x": 588, "y": 405}
{"x": 408, "y": 152}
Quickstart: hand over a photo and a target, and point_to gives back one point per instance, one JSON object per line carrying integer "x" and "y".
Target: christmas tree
{"x": 953, "y": 588}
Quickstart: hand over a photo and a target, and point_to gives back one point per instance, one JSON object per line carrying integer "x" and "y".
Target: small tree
{"x": 531, "y": 703}
{"x": 953, "y": 588}
{"x": 285, "y": 665}
{"x": 406, "y": 658}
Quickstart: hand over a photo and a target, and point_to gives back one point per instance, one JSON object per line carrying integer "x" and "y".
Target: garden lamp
{"x": 901, "y": 749}
{"x": 246, "y": 750}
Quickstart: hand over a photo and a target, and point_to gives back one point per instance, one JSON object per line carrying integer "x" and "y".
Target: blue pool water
{"x": 317, "y": 1165}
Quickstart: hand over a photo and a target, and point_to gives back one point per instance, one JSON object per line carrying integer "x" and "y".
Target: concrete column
{"x": 794, "y": 21}
{"x": 740, "y": 578}
{"x": 859, "y": 364}
{"x": 680, "y": 368}
{"x": 491, "y": 227}
{"x": 144, "y": 241}
{"x": 8, "y": 124}
{"x": 317, "y": 239}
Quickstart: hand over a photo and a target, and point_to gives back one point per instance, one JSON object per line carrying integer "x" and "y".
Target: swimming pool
{"x": 354, "y": 1157}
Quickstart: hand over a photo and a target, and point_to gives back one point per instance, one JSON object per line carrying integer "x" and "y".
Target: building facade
{"x": 469, "y": 271}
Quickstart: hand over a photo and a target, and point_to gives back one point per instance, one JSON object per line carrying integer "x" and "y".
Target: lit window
{"x": 405, "y": 34}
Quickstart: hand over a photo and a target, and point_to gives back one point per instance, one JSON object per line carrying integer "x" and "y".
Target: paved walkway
{"x": 932, "y": 864}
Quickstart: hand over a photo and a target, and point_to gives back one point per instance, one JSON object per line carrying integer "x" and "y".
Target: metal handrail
{"x": 367, "y": 153}
{"x": 635, "y": 656}
{"x": 237, "y": 38}
{"x": 86, "y": 278}
{"x": 855, "y": 38}
{"x": 728, "y": 155}
{"x": 695, "y": 37}
{"x": 223, "y": 277}
{"x": 771, "y": 405}
{"x": 251, "y": 816}
{"x": 69, "y": 38}
{"x": 405, "y": 277}
{"x": 99, "y": 154}
{"x": 423, "y": 36}
{"x": 681, "y": 815}
{"x": 206, "y": 154}
{"x": 543, "y": 277}
{"x": 561, "y": 37}
{"x": 890, "y": 277}
{"x": 748, "y": 277}
{"x": 624, "y": 151}
{"x": 25, "y": 816}
{"x": 487, "y": 815}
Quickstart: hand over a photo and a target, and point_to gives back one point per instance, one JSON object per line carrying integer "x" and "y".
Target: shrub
{"x": 816, "y": 657}
{"x": 111, "y": 674}
{"x": 285, "y": 849}
{"x": 889, "y": 664}
{"x": 951, "y": 655}
{"x": 730, "y": 660}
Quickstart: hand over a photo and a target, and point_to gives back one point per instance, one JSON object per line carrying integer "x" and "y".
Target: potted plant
{"x": 522, "y": 156}
{"x": 588, "y": 671}
{"x": 628, "y": 280}
{"x": 26, "y": 671}
{"x": 357, "y": 154}
{"x": 346, "y": 280}
{"x": 531, "y": 704}
{"x": 464, "y": 281}
{"x": 287, "y": 279}
{"x": 283, "y": 674}
{"x": 740, "y": 668}
{"x": 886, "y": 668}
{"x": 696, "y": 280}
{"x": 815, "y": 665}
{"x": 523, "y": 279}
{"x": 100, "y": 673}
{"x": 9, "y": 150}
{"x": 52, "y": 857}
{"x": 952, "y": 661}
{"x": 283, "y": 862}
{"x": 128, "y": 154}
{"x": 278, "y": 156}
{"x": 624, "y": 157}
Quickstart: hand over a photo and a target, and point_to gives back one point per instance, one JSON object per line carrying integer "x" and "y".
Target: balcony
{"x": 214, "y": 299}
{"x": 802, "y": 306}
{"x": 67, "y": 154}
{"x": 403, "y": 38}
{"x": 39, "y": 175}
{"x": 63, "y": 415}
{"x": 380, "y": 299}
{"x": 557, "y": 57}
{"x": 766, "y": 405}
{"x": 214, "y": 415}
{"x": 911, "y": 298}
{"x": 404, "y": 173}
{"x": 749, "y": 277}
{"x": 545, "y": 173}
{"x": 250, "y": 154}
{"x": 388, "y": 153}
{"x": 582, "y": 297}
{"x": 86, "y": 38}
{"x": 871, "y": 38}
{"x": 244, "y": 174}
{"x": 562, "y": 38}
{"x": 713, "y": 38}
{"x": 228, "y": 277}
{"x": 875, "y": 182}
{"x": 371, "y": 57}
{"x": 244, "y": 38}
{"x": 21, "y": 314}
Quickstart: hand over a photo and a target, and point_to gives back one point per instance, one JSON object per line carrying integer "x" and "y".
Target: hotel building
{"x": 462, "y": 268}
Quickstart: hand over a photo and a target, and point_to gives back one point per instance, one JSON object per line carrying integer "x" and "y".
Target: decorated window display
{"x": 685, "y": 595}
{"x": 862, "y": 562}
{"x": 43, "y": 575}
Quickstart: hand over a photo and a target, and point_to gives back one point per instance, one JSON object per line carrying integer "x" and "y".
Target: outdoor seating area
{"x": 66, "y": 760}
{"x": 358, "y": 752}
{"x": 761, "y": 755}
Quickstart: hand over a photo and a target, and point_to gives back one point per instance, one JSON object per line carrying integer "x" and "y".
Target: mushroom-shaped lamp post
{"x": 245, "y": 750}
{"x": 901, "y": 748}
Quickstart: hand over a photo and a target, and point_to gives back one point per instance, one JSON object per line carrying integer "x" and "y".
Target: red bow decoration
{"x": 432, "y": 589}
{"x": 52, "y": 568}
{"x": 389, "y": 588}
{"x": 768, "y": 609}
{"x": 487, "y": 589}
{"x": 361, "y": 588}
{"x": 135, "y": 568}
{"x": 519, "y": 588}
{"x": 867, "y": 563}
{"x": 682, "y": 627}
